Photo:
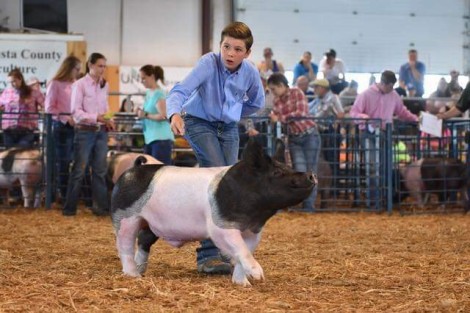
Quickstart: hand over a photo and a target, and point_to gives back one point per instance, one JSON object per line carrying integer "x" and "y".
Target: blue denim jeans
{"x": 160, "y": 150}
{"x": 89, "y": 148}
{"x": 215, "y": 144}
{"x": 370, "y": 144}
{"x": 18, "y": 138}
{"x": 305, "y": 152}
{"x": 63, "y": 135}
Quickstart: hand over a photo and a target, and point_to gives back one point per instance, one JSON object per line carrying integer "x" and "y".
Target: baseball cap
{"x": 331, "y": 53}
{"x": 32, "y": 80}
{"x": 321, "y": 82}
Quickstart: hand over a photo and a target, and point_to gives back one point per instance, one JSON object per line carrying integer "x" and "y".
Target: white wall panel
{"x": 221, "y": 9}
{"x": 165, "y": 32}
{"x": 99, "y": 21}
{"x": 369, "y": 35}
{"x": 10, "y": 13}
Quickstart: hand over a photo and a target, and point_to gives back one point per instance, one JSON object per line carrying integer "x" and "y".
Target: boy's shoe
{"x": 99, "y": 212}
{"x": 215, "y": 266}
{"x": 67, "y": 213}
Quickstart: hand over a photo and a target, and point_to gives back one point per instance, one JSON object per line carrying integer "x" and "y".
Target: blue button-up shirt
{"x": 406, "y": 75}
{"x": 213, "y": 93}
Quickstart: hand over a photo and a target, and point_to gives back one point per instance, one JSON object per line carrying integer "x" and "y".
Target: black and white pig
{"x": 229, "y": 205}
{"x": 22, "y": 167}
{"x": 438, "y": 176}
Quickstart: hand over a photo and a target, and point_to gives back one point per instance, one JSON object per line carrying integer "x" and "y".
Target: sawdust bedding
{"x": 312, "y": 263}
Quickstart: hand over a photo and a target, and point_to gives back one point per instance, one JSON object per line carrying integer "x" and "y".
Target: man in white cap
{"x": 327, "y": 107}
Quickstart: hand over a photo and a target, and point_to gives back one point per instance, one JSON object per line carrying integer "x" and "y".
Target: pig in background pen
{"x": 445, "y": 177}
{"x": 24, "y": 168}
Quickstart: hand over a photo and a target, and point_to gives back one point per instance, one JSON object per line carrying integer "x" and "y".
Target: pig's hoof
{"x": 141, "y": 268}
{"x": 239, "y": 277}
{"x": 242, "y": 281}
{"x": 141, "y": 259}
{"x": 132, "y": 273}
{"x": 256, "y": 272}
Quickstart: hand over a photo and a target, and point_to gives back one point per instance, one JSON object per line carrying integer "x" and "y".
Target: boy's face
{"x": 278, "y": 90}
{"x": 233, "y": 51}
{"x": 385, "y": 87}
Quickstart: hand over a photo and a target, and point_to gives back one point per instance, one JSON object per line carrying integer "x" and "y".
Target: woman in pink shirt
{"x": 58, "y": 104}
{"x": 18, "y": 102}
{"x": 89, "y": 103}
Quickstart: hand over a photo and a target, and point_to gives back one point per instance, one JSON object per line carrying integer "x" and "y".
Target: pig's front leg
{"x": 232, "y": 242}
{"x": 28, "y": 195}
{"x": 251, "y": 240}
{"x": 125, "y": 241}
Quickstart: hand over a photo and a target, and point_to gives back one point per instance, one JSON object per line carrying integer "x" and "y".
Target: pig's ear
{"x": 254, "y": 155}
{"x": 280, "y": 151}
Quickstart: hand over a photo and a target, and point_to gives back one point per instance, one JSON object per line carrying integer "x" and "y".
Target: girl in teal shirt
{"x": 157, "y": 133}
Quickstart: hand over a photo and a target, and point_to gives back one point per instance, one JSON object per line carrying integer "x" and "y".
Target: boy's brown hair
{"x": 238, "y": 30}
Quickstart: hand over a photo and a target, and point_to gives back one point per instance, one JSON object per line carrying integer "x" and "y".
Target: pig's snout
{"x": 312, "y": 178}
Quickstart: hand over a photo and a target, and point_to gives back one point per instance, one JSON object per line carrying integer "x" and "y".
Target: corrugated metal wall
{"x": 369, "y": 35}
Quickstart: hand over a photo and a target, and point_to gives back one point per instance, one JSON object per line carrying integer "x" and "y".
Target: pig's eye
{"x": 277, "y": 172}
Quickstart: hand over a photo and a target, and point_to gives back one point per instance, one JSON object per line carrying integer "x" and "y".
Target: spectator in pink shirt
{"x": 19, "y": 103}
{"x": 58, "y": 104}
{"x": 379, "y": 101}
{"x": 89, "y": 106}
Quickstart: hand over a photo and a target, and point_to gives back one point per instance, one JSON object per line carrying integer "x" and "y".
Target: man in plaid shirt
{"x": 291, "y": 108}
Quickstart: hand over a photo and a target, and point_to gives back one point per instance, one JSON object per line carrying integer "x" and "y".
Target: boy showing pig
{"x": 206, "y": 108}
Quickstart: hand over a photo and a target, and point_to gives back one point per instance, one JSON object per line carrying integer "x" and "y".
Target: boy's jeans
{"x": 215, "y": 144}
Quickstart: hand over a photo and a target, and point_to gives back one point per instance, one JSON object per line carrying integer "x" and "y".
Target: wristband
{"x": 146, "y": 115}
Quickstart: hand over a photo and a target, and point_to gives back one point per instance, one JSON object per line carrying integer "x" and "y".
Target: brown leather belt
{"x": 90, "y": 128}
{"x": 304, "y": 133}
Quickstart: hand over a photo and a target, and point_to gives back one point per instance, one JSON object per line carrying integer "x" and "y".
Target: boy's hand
{"x": 177, "y": 125}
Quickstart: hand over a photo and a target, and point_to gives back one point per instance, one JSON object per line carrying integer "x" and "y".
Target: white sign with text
{"x": 130, "y": 83}
{"x": 34, "y": 58}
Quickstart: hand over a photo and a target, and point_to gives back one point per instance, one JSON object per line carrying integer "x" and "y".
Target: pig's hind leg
{"x": 125, "y": 240}
{"x": 145, "y": 240}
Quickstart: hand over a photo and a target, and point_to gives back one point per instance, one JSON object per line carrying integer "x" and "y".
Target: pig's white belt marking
{"x": 215, "y": 210}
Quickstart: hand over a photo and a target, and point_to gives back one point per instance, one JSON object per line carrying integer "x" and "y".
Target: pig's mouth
{"x": 308, "y": 182}
{"x": 303, "y": 185}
